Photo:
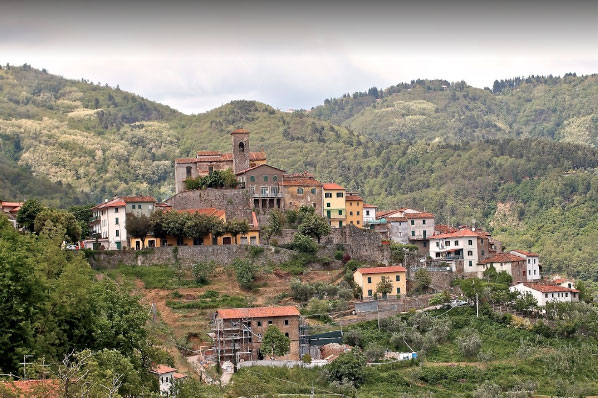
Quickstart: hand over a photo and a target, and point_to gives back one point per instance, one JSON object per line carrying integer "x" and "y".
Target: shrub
{"x": 352, "y": 265}
{"x": 346, "y": 258}
{"x": 348, "y": 368}
{"x": 304, "y": 244}
{"x": 202, "y": 271}
{"x": 255, "y": 251}
{"x": 338, "y": 255}
{"x": 245, "y": 272}
{"x": 469, "y": 343}
{"x": 353, "y": 337}
{"x": 306, "y": 358}
{"x": 274, "y": 242}
{"x": 374, "y": 352}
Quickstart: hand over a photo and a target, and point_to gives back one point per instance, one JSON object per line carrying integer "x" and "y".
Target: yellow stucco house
{"x": 251, "y": 238}
{"x": 354, "y": 210}
{"x": 334, "y": 204}
{"x": 369, "y": 278}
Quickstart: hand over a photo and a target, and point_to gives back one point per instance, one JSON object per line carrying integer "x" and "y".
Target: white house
{"x": 369, "y": 213}
{"x": 167, "y": 377}
{"x": 409, "y": 226}
{"x": 547, "y": 293}
{"x": 532, "y": 261}
{"x": 564, "y": 282}
{"x": 465, "y": 246}
{"x": 109, "y": 218}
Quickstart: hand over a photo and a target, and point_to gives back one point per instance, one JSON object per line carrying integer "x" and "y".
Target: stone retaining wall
{"x": 187, "y": 255}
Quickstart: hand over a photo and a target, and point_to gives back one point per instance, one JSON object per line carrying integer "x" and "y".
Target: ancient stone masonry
{"x": 360, "y": 244}
{"x": 186, "y": 255}
{"x": 235, "y": 202}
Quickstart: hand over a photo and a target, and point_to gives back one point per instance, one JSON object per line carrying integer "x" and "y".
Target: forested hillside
{"x": 533, "y": 192}
{"x": 563, "y": 109}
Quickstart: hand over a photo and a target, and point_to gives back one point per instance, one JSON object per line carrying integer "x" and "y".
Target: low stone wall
{"x": 187, "y": 255}
{"x": 360, "y": 244}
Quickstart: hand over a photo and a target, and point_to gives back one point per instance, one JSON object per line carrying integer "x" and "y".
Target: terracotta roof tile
{"x": 257, "y": 312}
{"x": 185, "y": 160}
{"x": 549, "y": 288}
{"x": 255, "y": 167}
{"x": 161, "y": 369}
{"x": 208, "y": 153}
{"x": 460, "y": 233}
{"x": 444, "y": 229}
{"x": 210, "y": 211}
{"x": 396, "y": 219}
{"x": 332, "y": 186}
{"x": 34, "y": 388}
{"x": 501, "y": 258}
{"x": 525, "y": 253}
{"x": 419, "y": 215}
{"x": 370, "y": 206}
{"x": 354, "y": 198}
{"x": 179, "y": 375}
{"x": 381, "y": 270}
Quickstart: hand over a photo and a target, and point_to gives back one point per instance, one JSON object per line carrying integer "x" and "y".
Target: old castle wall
{"x": 235, "y": 202}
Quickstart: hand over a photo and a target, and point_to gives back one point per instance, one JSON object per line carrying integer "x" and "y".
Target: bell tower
{"x": 240, "y": 150}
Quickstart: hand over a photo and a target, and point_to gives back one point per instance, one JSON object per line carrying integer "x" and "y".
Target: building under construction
{"x": 239, "y": 331}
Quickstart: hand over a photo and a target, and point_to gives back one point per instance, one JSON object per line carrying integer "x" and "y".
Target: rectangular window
{"x": 425, "y": 244}
{"x": 350, "y": 213}
{"x": 412, "y": 233}
{"x": 412, "y": 222}
{"x": 437, "y": 244}
{"x": 116, "y": 220}
{"x": 456, "y": 243}
{"x": 469, "y": 253}
{"x": 116, "y": 209}
{"x": 313, "y": 191}
{"x": 274, "y": 190}
{"x": 328, "y": 213}
{"x": 398, "y": 278}
{"x": 367, "y": 212}
{"x": 259, "y": 323}
{"x": 370, "y": 292}
{"x": 482, "y": 252}
{"x": 117, "y": 232}
{"x": 470, "y": 263}
{"x": 269, "y": 322}
{"x": 545, "y": 295}
{"x": 447, "y": 243}
{"x": 286, "y": 321}
{"x": 264, "y": 191}
{"x": 252, "y": 189}
{"x": 566, "y": 294}
{"x": 398, "y": 290}
{"x": 351, "y": 204}
{"x": 328, "y": 195}
{"x": 328, "y": 204}
{"x": 470, "y": 242}
{"x": 339, "y": 194}
{"x": 369, "y": 279}
{"x": 340, "y": 212}
{"x": 423, "y": 222}
{"x": 357, "y": 222}
{"x": 357, "y": 212}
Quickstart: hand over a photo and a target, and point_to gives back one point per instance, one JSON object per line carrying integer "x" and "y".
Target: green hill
{"x": 534, "y": 193}
{"x": 563, "y": 109}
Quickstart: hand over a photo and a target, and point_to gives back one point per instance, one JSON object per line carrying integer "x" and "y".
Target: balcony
{"x": 266, "y": 195}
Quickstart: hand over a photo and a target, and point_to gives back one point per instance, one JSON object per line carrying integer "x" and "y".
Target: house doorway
{"x": 227, "y": 240}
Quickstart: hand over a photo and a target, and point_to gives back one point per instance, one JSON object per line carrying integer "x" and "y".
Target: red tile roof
{"x": 11, "y": 204}
{"x": 179, "y": 376}
{"x": 255, "y": 167}
{"x": 525, "y": 253}
{"x": 185, "y": 160}
{"x": 396, "y": 219}
{"x": 354, "y": 198}
{"x": 34, "y": 388}
{"x": 240, "y": 131}
{"x": 300, "y": 180}
{"x": 257, "y": 312}
{"x": 381, "y": 270}
{"x": 419, "y": 215}
{"x": 501, "y": 258}
{"x": 208, "y": 153}
{"x": 549, "y": 288}
{"x": 161, "y": 369}
{"x": 112, "y": 203}
{"x": 370, "y": 206}
{"x": 210, "y": 211}
{"x": 332, "y": 186}
{"x": 459, "y": 234}
{"x": 444, "y": 229}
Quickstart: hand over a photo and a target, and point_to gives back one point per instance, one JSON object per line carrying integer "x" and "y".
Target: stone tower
{"x": 240, "y": 150}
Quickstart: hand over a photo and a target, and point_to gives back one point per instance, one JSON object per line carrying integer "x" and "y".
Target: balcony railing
{"x": 267, "y": 195}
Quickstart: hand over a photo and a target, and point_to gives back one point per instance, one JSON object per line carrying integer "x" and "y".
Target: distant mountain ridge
{"x": 562, "y": 109}
{"x": 519, "y": 162}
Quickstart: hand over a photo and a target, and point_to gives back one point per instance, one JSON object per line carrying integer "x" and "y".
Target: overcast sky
{"x": 195, "y": 57}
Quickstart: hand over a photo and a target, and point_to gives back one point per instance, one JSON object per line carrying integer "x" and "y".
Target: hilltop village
{"x": 387, "y": 262}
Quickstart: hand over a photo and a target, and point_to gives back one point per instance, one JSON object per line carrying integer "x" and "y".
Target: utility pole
{"x": 477, "y": 306}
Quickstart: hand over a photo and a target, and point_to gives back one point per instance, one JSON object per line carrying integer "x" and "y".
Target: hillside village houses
{"x": 10, "y": 210}
{"x": 545, "y": 293}
{"x": 263, "y": 187}
{"x": 368, "y": 279}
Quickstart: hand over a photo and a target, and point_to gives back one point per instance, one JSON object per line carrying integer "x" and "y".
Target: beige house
{"x": 369, "y": 278}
